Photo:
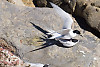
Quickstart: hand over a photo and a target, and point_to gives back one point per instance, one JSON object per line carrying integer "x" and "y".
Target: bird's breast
{"x": 71, "y": 34}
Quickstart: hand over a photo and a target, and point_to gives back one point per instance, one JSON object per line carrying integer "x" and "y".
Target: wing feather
{"x": 64, "y": 15}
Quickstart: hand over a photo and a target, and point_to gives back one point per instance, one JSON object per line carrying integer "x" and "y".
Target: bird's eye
{"x": 76, "y": 31}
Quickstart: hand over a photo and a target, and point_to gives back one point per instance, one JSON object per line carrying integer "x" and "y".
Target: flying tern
{"x": 64, "y": 36}
{"x": 67, "y": 32}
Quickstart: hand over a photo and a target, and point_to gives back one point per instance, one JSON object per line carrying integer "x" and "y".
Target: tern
{"x": 37, "y": 64}
{"x": 66, "y": 32}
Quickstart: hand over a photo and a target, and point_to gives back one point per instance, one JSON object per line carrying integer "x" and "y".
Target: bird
{"x": 64, "y": 41}
{"x": 66, "y": 32}
{"x": 36, "y": 64}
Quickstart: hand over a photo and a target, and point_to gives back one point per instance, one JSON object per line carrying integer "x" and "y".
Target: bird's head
{"x": 46, "y": 65}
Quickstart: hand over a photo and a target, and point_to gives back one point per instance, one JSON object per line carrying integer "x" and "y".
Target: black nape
{"x": 76, "y": 31}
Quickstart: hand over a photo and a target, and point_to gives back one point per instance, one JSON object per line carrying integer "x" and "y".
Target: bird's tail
{"x": 54, "y": 34}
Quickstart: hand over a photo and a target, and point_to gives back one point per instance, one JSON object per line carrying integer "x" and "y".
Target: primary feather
{"x": 64, "y": 15}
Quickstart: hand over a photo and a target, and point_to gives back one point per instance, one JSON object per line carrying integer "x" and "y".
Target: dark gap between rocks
{"x": 83, "y": 24}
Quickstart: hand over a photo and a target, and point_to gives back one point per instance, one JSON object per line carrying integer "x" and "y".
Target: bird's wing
{"x": 65, "y": 31}
{"x": 65, "y": 16}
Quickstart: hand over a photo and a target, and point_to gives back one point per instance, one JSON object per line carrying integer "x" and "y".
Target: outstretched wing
{"x": 65, "y": 16}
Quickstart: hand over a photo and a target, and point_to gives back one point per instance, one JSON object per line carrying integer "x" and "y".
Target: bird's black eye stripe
{"x": 76, "y": 31}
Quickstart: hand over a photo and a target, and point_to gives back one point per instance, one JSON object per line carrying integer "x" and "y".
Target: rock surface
{"x": 28, "y": 3}
{"x": 22, "y": 2}
{"x": 90, "y": 11}
{"x": 17, "y": 2}
{"x": 8, "y": 59}
{"x": 16, "y": 28}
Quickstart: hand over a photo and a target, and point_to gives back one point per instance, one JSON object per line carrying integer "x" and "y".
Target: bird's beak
{"x": 81, "y": 35}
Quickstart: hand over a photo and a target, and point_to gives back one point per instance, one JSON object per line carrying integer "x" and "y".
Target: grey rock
{"x": 17, "y": 2}
{"x": 16, "y": 28}
{"x": 90, "y": 11}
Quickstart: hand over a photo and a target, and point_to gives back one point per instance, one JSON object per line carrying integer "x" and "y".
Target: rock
{"x": 91, "y": 15}
{"x": 16, "y": 28}
{"x": 70, "y": 5}
{"x": 58, "y": 2}
{"x": 8, "y": 59}
{"x": 89, "y": 11}
{"x": 17, "y": 2}
{"x": 11, "y": 1}
{"x": 40, "y": 3}
{"x": 22, "y": 2}
{"x": 5, "y": 45}
{"x": 28, "y": 3}
{"x": 97, "y": 56}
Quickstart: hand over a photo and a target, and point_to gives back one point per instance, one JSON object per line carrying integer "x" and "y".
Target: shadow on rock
{"x": 39, "y": 28}
{"x": 48, "y": 42}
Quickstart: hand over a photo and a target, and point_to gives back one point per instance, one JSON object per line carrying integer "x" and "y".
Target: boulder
{"x": 17, "y": 2}
{"x": 28, "y": 3}
{"x": 22, "y": 2}
{"x": 25, "y": 27}
{"x": 90, "y": 11}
